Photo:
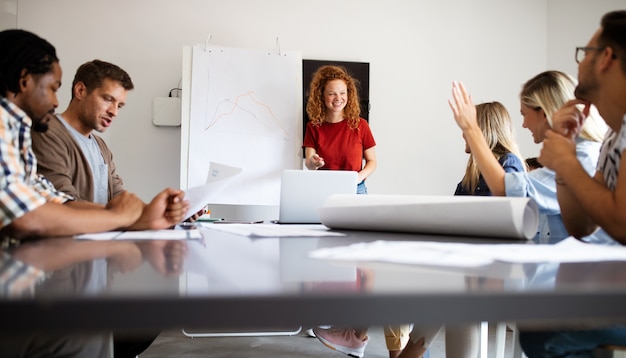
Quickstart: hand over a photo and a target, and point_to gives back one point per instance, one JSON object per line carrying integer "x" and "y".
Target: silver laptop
{"x": 303, "y": 192}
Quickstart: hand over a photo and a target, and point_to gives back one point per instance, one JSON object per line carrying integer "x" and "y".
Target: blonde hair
{"x": 496, "y": 126}
{"x": 549, "y": 91}
{"x": 315, "y": 107}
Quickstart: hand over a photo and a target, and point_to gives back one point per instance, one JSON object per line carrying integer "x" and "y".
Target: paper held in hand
{"x": 220, "y": 176}
{"x": 497, "y": 217}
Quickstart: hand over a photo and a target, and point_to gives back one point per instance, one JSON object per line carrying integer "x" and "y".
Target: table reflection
{"x": 65, "y": 267}
{"x": 197, "y": 282}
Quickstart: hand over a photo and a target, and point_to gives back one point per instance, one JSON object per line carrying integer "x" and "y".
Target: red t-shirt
{"x": 340, "y": 146}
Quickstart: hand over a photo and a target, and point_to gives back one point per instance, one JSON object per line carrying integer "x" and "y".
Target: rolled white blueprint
{"x": 498, "y": 217}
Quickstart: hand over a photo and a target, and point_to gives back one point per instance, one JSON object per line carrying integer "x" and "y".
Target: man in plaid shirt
{"x": 30, "y": 76}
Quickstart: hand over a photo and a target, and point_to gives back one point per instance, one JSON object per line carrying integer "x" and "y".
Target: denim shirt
{"x": 539, "y": 185}
{"x": 509, "y": 162}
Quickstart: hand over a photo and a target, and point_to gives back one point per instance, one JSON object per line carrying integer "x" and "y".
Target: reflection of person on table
{"x": 495, "y": 125}
{"x": 57, "y": 268}
{"x": 165, "y": 256}
{"x": 49, "y": 255}
{"x": 336, "y": 137}
{"x": 46, "y": 256}
{"x": 69, "y": 267}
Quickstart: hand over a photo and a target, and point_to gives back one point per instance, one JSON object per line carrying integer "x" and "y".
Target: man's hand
{"x": 127, "y": 257}
{"x": 557, "y": 151}
{"x": 568, "y": 120}
{"x": 193, "y": 218}
{"x": 166, "y": 257}
{"x": 166, "y": 210}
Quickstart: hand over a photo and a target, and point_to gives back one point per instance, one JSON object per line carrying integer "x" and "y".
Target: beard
{"x": 41, "y": 125}
{"x": 587, "y": 84}
{"x": 582, "y": 92}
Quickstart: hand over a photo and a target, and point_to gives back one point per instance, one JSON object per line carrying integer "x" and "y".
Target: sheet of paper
{"x": 401, "y": 252}
{"x": 144, "y": 235}
{"x": 108, "y": 235}
{"x": 568, "y": 250}
{"x": 219, "y": 177}
{"x": 272, "y": 230}
{"x": 501, "y": 217}
{"x": 220, "y": 172}
{"x": 468, "y": 255}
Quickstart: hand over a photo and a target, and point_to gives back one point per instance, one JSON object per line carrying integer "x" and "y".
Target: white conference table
{"x": 244, "y": 283}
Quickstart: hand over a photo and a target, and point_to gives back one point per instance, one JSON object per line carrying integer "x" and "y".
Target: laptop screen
{"x": 303, "y": 192}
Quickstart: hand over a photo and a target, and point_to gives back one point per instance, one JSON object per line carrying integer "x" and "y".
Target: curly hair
{"x": 315, "y": 107}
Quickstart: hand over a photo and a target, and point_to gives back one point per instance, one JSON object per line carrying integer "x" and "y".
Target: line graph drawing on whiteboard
{"x": 245, "y": 112}
{"x": 254, "y": 115}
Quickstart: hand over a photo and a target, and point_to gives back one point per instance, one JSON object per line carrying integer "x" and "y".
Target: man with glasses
{"x": 581, "y": 52}
{"x": 589, "y": 202}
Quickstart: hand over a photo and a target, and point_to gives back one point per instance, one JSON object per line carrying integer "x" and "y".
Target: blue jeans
{"x": 361, "y": 188}
{"x": 578, "y": 344}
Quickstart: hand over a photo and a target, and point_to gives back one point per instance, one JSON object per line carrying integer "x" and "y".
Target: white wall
{"x": 415, "y": 48}
{"x": 572, "y": 22}
{"x": 8, "y": 14}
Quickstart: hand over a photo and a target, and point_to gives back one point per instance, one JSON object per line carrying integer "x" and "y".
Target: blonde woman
{"x": 495, "y": 124}
{"x": 540, "y": 98}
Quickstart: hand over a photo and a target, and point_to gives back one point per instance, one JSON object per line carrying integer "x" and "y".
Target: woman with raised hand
{"x": 495, "y": 126}
{"x": 540, "y": 98}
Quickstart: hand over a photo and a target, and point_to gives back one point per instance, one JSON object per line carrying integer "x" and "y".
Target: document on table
{"x": 143, "y": 235}
{"x": 273, "y": 230}
{"x": 220, "y": 176}
{"x": 471, "y": 255}
{"x": 499, "y": 217}
{"x": 402, "y": 252}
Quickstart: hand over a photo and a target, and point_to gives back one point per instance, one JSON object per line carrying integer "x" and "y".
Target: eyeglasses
{"x": 581, "y": 52}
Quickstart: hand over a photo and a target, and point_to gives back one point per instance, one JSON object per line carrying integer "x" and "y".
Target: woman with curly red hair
{"x": 336, "y": 137}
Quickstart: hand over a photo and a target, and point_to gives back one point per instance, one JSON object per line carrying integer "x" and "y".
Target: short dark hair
{"x": 614, "y": 34}
{"x": 93, "y": 74}
{"x": 23, "y": 51}
{"x": 533, "y": 163}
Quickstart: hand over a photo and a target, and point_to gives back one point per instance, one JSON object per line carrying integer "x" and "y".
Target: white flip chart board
{"x": 243, "y": 108}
